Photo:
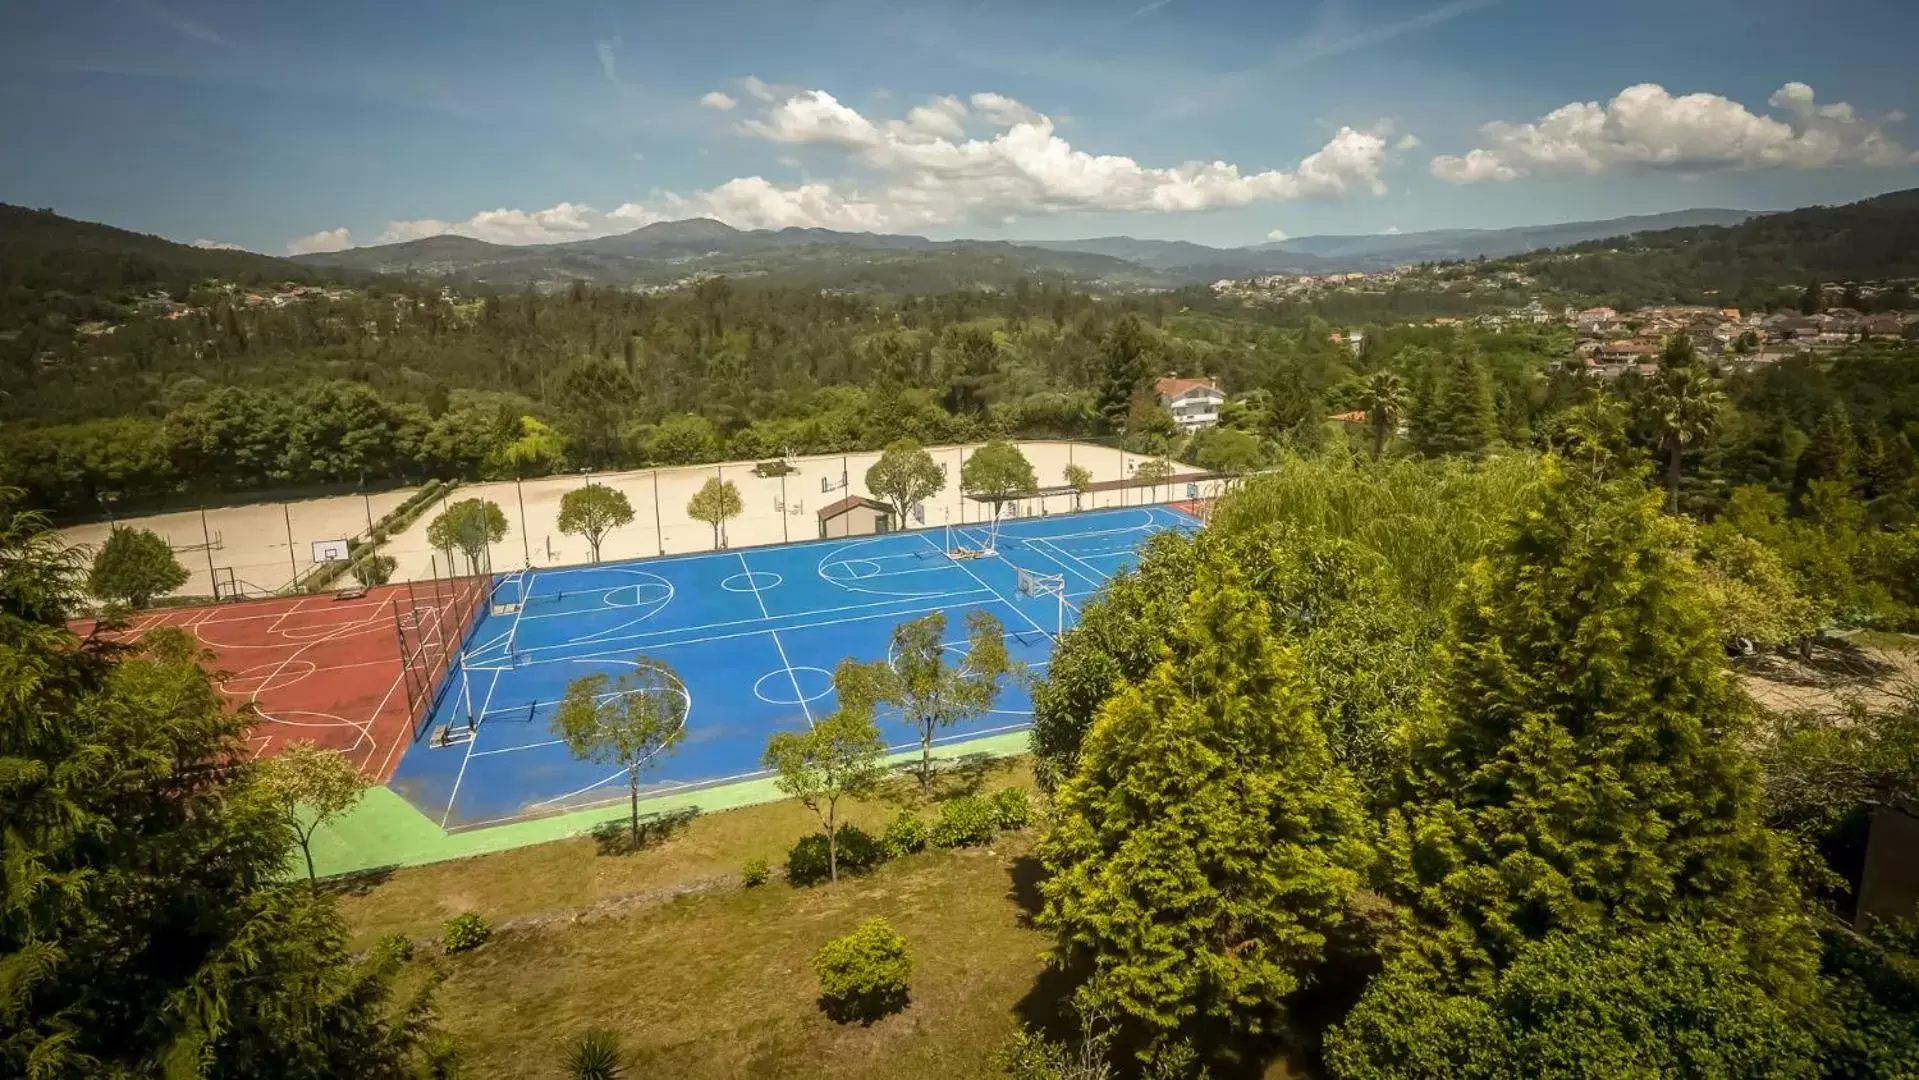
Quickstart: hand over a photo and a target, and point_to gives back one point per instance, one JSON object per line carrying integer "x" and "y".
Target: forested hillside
{"x": 1745, "y": 264}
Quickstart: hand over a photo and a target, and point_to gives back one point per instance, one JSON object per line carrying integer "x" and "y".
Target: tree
{"x": 1749, "y": 591}
{"x": 1582, "y": 763}
{"x": 838, "y": 757}
{"x": 1204, "y": 849}
{"x": 469, "y": 525}
{"x": 1224, "y": 450}
{"x": 1684, "y": 406}
{"x": 932, "y": 689}
{"x": 536, "y": 451}
{"x": 1080, "y": 479}
{"x": 1126, "y": 363}
{"x": 309, "y": 787}
{"x": 1832, "y": 453}
{"x": 133, "y": 567}
{"x": 631, "y": 722}
{"x": 998, "y": 473}
{"x": 147, "y": 924}
{"x": 905, "y": 476}
{"x": 1384, "y": 400}
{"x": 373, "y": 569}
{"x": 1812, "y": 300}
{"x": 1850, "y": 297}
{"x": 1154, "y": 471}
{"x": 715, "y": 503}
{"x": 592, "y": 511}
{"x": 1458, "y": 418}
{"x": 1669, "y": 1000}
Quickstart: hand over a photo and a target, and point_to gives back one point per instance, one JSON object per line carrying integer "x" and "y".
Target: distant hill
{"x": 1746, "y": 263}
{"x": 1335, "y": 254}
{"x": 669, "y": 251}
{"x": 50, "y": 260}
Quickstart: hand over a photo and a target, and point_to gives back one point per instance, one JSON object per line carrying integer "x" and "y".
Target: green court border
{"x": 385, "y": 830}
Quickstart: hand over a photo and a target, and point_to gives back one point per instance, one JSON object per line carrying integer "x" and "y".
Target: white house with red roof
{"x": 1194, "y": 403}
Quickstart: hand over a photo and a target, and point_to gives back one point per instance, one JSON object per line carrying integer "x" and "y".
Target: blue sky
{"x": 1220, "y": 121}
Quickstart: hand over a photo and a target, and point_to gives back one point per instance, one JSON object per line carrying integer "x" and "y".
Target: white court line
{"x": 1046, "y": 553}
{"x": 995, "y": 592}
{"x": 471, "y": 742}
{"x": 791, "y": 676}
{"x": 758, "y": 627}
{"x": 1084, "y": 576}
{"x": 747, "y": 622}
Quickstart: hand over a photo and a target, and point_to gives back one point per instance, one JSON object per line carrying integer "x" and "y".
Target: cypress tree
{"x": 1580, "y": 766}
{"x": 1461, "y": 418}
{"x": 1205, "y": 848}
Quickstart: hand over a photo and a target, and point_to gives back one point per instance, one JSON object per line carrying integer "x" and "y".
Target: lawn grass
{"x": 722, "y": 984}
{"x": 703, "y": 977}
{"x": 576, "y": 877}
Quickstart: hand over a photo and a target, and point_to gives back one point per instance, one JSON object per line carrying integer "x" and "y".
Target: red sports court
{"x": 327, "y": 667}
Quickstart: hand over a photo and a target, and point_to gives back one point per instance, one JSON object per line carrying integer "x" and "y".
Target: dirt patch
{"x": 1878, "y": 671}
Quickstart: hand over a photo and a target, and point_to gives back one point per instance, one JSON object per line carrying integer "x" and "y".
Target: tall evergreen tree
{"x": 1813, "y": 300}
{"x": 1126, "y": 367}
{"x": 1684, "y": 404}
{"x": 148, "y": 922}
{"x": 1461, "y": 418}
{"x": 1832, "y": 453}
{"x": 1206, "y": 846}
{"x": 1581, "y": 766}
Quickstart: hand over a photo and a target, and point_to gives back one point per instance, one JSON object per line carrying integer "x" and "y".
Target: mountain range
{"x": 668, "y": 251}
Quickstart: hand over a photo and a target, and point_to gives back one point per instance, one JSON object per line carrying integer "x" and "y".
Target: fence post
{"x": 206, "y": 539}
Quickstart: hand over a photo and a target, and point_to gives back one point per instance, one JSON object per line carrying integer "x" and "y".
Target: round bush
{"x": 806, "y": 863}
{"x": 904, "y": 835}
{"x": 463, "y": 932}
{"x": 1012, "y": 808}
{"x": 393, "y": 946}
{"x": 863, "y": 975}
{"x": 965, "y": 820}
{"x": 755, "y": 872}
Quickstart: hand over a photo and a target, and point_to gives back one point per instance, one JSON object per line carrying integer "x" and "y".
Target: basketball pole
{"x": 784, "y": 538}
{"x": 526, "y": 543}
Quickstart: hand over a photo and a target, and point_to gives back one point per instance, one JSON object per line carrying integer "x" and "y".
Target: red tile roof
{"x": 1172, "y": 387}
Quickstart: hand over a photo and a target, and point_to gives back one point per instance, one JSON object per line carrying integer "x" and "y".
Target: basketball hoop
{"x": 1054, "y": 585}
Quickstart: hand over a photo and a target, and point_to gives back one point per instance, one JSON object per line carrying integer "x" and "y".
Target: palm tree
{"x": 1384, "y": 400}
{"x": 1685, "y": 404}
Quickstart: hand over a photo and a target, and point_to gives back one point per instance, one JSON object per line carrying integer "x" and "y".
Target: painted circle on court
{"x": 776, "y": 687}
{"x": 752, "y": 581}
{"x": 638, "y": 595}
{"x": 262, "y": 678}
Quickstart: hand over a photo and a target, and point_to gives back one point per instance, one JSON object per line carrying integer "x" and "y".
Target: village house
{"x": 1194, "y": 403}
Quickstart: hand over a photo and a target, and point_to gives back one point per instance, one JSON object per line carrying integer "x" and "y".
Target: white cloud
{"x": 324, "y": 240}
{"x": 717, "y": 99}
{"x": 1277, "y": 235}
{"x": 1645, "y": 126}
{"x": 216, "y": 245}
{"x": 926, "y": 170}
{"x": 1390, "y": 230}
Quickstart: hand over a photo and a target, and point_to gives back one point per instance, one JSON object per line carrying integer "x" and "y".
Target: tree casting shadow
{"x": 616, "y": 837}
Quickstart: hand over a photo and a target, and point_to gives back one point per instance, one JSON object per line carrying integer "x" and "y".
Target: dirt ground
{"x": 1877, "y": 670}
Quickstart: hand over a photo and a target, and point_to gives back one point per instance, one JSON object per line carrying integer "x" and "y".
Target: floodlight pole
{"x": 206, "y": 539}
{"x": 659, "y": 532}
{"x": 287, "y": 515}
{"x": 526, "y": 547}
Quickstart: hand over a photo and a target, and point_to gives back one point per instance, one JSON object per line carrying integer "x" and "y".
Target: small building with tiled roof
{"x": 855, "y": 515}
{"x": 1194, "y": 403}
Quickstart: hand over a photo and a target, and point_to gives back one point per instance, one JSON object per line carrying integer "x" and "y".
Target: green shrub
{"x": 964, "y": 821}
{"x": 806, "y": 863}
{"x": 394, "y": 946}
{"x": 595, "y": 1055}
{"x": 904, "y": 835}
{"x": 755, "y": 872}
{"x": 1013, "y": 808}
{"x": 863, "y": 975}
{"x": 463, "y": 932}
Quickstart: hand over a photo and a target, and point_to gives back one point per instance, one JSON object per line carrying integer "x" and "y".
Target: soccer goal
{"x": 1054, "y": 585}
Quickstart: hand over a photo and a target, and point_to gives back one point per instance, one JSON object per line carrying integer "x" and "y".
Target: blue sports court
{"x": 753, "y": 635}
